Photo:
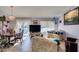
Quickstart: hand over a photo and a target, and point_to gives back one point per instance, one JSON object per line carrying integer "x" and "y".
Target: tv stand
{"x": 33, "y": 34}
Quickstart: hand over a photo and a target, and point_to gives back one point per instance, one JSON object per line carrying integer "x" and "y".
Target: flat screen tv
{"x": 35, "y": 28}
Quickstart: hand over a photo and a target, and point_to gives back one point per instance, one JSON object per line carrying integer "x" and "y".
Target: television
{"x": 35, "y": 28}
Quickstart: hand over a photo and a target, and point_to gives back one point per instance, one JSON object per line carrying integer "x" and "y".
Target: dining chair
{"x": 19, "y": 36}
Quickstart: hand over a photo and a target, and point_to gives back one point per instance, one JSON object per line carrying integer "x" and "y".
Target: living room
{"x": 36, "y": 24}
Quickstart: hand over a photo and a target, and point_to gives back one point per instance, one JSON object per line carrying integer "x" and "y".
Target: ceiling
{"x": 35, "y": 11}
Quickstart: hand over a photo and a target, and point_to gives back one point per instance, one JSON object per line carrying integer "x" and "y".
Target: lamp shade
{"x": 11, "y": 17}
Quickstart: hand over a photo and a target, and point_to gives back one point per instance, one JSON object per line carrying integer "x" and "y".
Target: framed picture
{"x": 36, "y": 22}
{"x": 72, "y": 17}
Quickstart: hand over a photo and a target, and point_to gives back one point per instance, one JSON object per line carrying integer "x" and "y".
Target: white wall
{"x": 71, "y": 30}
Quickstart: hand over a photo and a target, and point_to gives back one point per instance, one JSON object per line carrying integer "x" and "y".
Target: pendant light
{"x": 11, "y": 17}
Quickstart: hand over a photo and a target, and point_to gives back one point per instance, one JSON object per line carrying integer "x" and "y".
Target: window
{"x": 47, "y": 25}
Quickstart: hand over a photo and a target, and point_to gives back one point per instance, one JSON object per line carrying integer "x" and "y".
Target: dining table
{"x": 6, "y": 38}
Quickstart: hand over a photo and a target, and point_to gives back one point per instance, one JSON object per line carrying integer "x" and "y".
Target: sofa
{"x": 41, "y": 44}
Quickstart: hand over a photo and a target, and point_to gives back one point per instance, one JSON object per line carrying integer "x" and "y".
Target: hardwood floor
{"x": 20, "y": 47}
{"x": 26, "y": 46}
